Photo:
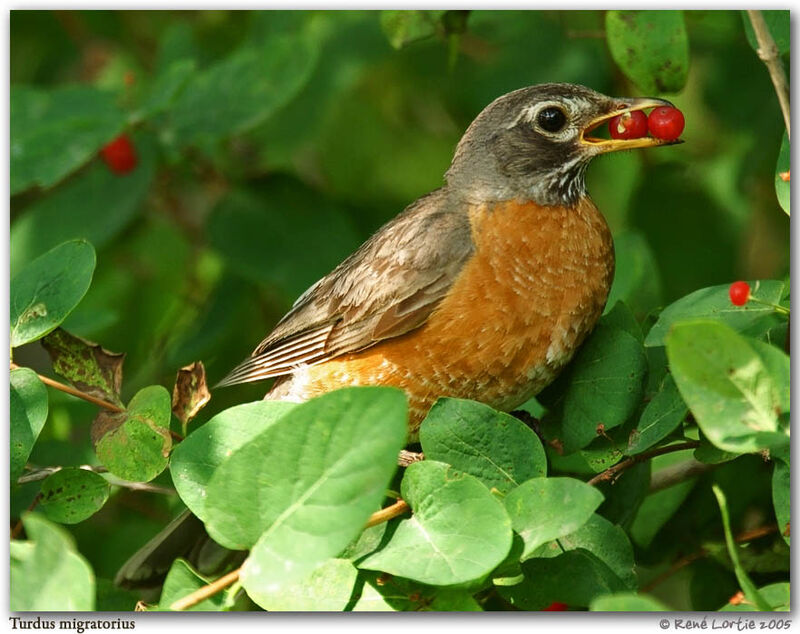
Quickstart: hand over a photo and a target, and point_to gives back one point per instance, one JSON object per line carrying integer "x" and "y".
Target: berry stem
{"x": 776, "y": 307}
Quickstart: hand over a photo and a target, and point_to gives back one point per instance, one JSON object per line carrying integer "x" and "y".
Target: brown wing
{"x": 385, "y": 289}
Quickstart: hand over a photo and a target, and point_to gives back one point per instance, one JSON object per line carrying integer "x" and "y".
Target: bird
{"x": 483, "y": 289}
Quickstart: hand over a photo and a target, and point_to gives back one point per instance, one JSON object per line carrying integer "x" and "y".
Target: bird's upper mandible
{"x": 535, "y": 143}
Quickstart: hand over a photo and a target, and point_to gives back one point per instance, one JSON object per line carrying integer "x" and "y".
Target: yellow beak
{"x": 612, "y": 145}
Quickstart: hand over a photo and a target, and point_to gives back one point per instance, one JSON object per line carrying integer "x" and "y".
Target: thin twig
{"x": 35, "y": 475}
{"x": 201, "y": 594}
{"x": 18, "y": 526}
{"x": 677, "y": 473}
{"x": 384, "y": 515}
{"x": 612, "y": 472}
{"x": 745, "y": 536}
{"x": 68, "y": 389}
{"x": 769, "y": 54}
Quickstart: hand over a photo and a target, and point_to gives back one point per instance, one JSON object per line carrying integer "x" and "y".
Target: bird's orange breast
{"x": 519, "y": 309}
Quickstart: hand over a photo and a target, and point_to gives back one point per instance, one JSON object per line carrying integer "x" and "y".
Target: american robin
{"x": 483, "y": 289}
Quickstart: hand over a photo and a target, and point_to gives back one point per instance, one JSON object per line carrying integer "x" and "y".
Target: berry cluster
{"x": 664, "y": 123}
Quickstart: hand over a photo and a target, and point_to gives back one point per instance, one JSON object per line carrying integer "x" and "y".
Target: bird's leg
{"x": 406, "y": 458}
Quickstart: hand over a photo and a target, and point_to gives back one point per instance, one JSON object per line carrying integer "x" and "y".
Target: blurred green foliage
{"x": 270, "y": 144}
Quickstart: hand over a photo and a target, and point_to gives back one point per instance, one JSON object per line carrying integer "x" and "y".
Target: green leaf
{"x": 255, "y": 81}
{"x": 777, "y": 595}
{"x": 89, "y": 367}
{"x": 663, "y": 414}
{"x": 575, "y": 577}
{"x": 97, "y": 205}
{"x": 72, "y": 495}
{"x": 166, "y": 88}
{"x": 779, "y": 28}
{"x": 627, "y": 602}
{"x": 28, "y": 413}
{"x": 603, "y": 386}
{"x": 656, "y": 509}
{"x": 459, "y": 531}
{"x": 748, "y": 587}
{"x": 737, "y": 389}
{"x": 48, "y": 289}
{"x": 47, "y": 573}
{"x": 200, "y": 454}
{"x": 606, "y": 541}
{"x": 404, "y": 27}
{"x": 386, "y": 593}
{"x": 783, "y": 188}
{"x": 135, "y": 444}
{"x": 544, "y": 509}
{"x": 182, "y": 579}
{"x": 303, "y": 489}
{"x": 499, "y": 450}
{"x": 249, "y": 229}
{"x": 650, "y": 47}
{"x": 55, "y": 131}
{"x": 715, "y": 303}
{"x": 327, "y": 589}
{"x": 782, "y": 496}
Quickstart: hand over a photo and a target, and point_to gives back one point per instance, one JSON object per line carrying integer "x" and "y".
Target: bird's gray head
{"x": 533, "y": 144}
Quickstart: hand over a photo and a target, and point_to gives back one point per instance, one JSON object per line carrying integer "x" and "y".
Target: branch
{"x": 769, "y": 54}
{"x": 745, "y": 536}
{"x": 41, "y": 473}
{"x": 612, "y": 472}
{"x": 201, "y": 594}
{"x": 68, "y": 389}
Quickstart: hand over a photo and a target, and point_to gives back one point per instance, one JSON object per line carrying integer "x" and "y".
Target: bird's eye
{"x": 551, "y": 119}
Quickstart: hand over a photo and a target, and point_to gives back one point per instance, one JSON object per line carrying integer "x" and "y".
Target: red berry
{"x": 120, "y": 155}
{"x": 628, "y": 125}
{"x": 666, "y": 123}
{"x": 739, "y": 293}
{"x": 555, "y": 606}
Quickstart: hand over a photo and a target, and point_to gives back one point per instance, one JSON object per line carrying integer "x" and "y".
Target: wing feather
{"x": 387, "y": 288}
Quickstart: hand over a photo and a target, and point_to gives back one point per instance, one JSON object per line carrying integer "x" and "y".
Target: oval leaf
{"x": 714, "y": 303}
{"x": 198, "y": 455}
{"x": 544, "y": 509}
{"x": 627, "y": 602}
{"x": 55, "y": 131}
{"x": 47, "y": 573}
{"x": 650, "y": 47}
{"x": 326, "y": 589}
{"x": 459, "y": 531}
{"x": 72, "y": 495}
{"x": 662, "y": 415}
{"x": 499, "y": 450}
{"x": 182, "y": 580}
{"x": 302, "y": 490}
{"x": 602, "y": 387}
{"x": 48, "y": 289}
{"x": 135, "y": 444}
{"x": 740, "y": 402}
{"x": 28, "y": 413}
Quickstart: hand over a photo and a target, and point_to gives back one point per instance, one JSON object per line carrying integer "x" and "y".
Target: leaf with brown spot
{"x": 190, "y": 393}
{"x": 88, "y": 366}
{"x": 135, "y": 444}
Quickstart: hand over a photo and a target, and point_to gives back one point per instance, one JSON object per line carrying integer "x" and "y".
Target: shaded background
{"x": 269, "y": 174}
